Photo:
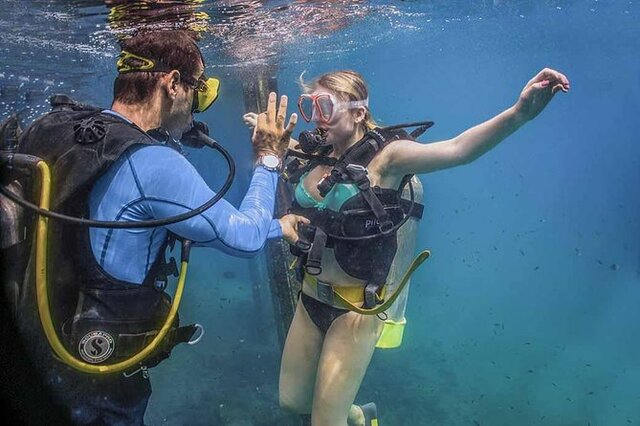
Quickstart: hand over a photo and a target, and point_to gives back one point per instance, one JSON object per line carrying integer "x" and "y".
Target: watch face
{"x": 270, "y": 161}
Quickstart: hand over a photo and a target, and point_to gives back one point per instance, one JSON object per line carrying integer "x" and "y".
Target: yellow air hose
{"x": 43, "y": 297}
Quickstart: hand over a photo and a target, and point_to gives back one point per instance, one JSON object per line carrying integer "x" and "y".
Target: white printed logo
{"x": 96, "y": 346}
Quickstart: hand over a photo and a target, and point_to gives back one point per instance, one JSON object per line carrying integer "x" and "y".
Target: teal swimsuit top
{"x": 334, "y": 200}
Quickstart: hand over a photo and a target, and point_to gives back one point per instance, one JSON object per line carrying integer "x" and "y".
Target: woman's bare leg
{"x": 346, "y": 353}
{"x": 300, "y": 363}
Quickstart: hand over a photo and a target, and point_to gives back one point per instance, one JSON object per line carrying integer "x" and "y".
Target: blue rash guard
{"x": 155, "y": 182}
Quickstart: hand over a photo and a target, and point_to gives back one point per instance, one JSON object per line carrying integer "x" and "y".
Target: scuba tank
{"x": 12, "y": 220}
{"x": 395, "y": 320}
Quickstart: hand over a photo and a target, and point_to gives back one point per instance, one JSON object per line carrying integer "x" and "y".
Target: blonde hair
{"x": 348, "y": 85}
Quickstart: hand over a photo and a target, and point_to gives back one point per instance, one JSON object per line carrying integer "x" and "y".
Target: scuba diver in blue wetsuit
{"x": 350, "y": 178}
{"x": 92, "y": 307}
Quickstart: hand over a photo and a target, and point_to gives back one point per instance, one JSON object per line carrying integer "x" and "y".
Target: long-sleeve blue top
{"x": 155, "y": 182}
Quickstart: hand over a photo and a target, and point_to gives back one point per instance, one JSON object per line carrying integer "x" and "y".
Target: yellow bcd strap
{"x": 415, "y": 264}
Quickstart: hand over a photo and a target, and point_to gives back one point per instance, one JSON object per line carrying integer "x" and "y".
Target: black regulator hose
{"x": 14, "y": 160}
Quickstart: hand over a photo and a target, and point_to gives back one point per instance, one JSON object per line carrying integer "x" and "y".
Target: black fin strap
{"x": 313, "y": 265}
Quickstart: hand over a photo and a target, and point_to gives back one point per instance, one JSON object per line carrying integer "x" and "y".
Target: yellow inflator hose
{"x": 43, "y": 297}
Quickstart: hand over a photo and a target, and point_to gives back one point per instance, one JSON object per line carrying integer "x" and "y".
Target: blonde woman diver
{"x": 329, "y": 345}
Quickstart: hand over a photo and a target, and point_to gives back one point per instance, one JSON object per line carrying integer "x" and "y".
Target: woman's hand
{"x": 250, "y": 119}
{"x": 539, "y": 91}
{"x": 270, "y": 136}
{"x": 289, "y": 224}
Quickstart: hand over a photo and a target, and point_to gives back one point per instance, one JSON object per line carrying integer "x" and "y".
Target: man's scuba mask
{"x": 205, "y": 89}
{"x": 205, "y": 92}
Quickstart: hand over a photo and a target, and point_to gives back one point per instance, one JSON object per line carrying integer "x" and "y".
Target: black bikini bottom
{"x": 321, "y": 314}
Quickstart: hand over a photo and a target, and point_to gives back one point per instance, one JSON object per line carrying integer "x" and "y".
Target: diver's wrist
{"x": 271, "y": 162}
{"x": 261, "y": 152}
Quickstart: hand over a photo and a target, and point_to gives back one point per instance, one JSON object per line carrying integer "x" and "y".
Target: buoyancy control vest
{"x": 363, "y": 233}
{"x": 101, "y": 319}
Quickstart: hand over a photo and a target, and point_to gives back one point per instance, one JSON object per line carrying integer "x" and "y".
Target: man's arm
{"x": 170, "y": 185}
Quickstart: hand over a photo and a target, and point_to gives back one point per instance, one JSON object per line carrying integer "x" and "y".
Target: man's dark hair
{"x": 173, "y": 49}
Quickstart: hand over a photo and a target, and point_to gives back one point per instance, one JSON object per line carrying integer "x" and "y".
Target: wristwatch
{"x": 270, "y": 162}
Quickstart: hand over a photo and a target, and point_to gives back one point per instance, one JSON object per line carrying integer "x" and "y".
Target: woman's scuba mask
{"x": 323, "y": 106}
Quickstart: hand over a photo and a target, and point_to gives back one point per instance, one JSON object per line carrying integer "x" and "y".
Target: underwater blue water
{"x": 527, "y": 312}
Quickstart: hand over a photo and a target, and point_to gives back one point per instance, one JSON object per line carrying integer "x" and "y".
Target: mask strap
{"x": 358, "y": 104}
